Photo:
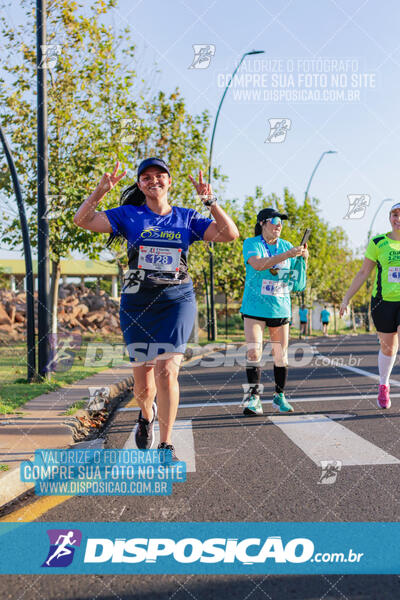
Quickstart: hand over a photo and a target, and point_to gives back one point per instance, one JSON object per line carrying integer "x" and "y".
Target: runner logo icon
{"x": 203, "y": 54}
{"x": 358, "y": 204}
{"x": 278, "y": 129}
{"x": 330, "y": 471}
{"x": 62, "y": 547}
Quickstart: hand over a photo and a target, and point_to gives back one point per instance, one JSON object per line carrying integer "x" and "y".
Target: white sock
{"x": 385, "y": 366}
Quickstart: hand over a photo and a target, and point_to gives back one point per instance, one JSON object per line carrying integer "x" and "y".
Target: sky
{"x": 328, "y": 80}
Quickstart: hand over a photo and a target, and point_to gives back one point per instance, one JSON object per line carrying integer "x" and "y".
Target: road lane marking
{"x": 33, "y": 511}
{"x": 183, "y": 441}
{"x": 321, "y": 438}
{"x": 354, "y": 369}
{"x": 42, "y": 504}
{"x": 292, "y": 399}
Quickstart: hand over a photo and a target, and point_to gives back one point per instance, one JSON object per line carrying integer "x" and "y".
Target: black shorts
{"x": 269, "y": 321}
{"x": 303, "y": 322}
{"x": 385, "y": 315}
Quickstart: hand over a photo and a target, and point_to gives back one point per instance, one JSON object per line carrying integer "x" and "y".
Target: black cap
{"x": 268, "y": 213}
{"x": 152, "y": 162}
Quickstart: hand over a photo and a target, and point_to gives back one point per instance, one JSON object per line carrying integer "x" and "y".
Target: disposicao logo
{"x": 190, "y": 550}
{"x": 62, "y": 547}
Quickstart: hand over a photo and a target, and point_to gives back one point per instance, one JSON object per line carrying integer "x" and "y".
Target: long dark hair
{"x": 130, "y": 195}
{"x": 257, "y": 229}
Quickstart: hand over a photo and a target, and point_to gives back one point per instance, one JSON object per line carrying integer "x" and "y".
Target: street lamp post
{"x": 308, "y": 187}
{"x": 315, "y": 169}
{"x": 376, "y": 214}
{"x": 211, "y": 321}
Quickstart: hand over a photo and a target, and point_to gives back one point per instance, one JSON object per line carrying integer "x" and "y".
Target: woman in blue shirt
{"x": 266, "y": 302}
{"x": 157, "y": 303}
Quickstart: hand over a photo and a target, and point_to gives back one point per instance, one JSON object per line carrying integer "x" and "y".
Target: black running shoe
{"x": 144, "y": 434}
{"x": 165, "y": 446}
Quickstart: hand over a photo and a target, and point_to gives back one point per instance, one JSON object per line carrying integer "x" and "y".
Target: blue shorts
{"x": 154, "y": 322}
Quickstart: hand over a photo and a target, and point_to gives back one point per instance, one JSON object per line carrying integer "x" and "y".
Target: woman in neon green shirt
{"x": 383, "y": 253}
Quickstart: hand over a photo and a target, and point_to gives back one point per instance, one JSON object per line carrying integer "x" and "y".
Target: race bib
{"x": 274, "y": 288}
{"x": 394, "y": 275}
{"x": 157, "y": 258}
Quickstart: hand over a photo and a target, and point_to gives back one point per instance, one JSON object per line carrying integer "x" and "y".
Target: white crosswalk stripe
{"x": 323, "y": 439}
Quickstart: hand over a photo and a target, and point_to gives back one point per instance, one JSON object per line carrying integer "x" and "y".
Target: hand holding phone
{"x": 306, "y": 237}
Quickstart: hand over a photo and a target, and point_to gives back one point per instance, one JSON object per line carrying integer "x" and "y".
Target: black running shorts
{"x": 269, "y": 321}
{"x": 385, "y": 315}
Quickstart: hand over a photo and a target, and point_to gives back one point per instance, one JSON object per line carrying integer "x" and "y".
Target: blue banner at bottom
{"x": 196, "y": 548}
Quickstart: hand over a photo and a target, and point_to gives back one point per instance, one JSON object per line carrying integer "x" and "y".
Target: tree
{"x": 98, "y": 112}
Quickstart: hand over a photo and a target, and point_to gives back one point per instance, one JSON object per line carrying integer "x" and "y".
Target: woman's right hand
{"x": 343, "y": 308}
{"x": 295, "y": 251}
{"x": 108, "y": 181}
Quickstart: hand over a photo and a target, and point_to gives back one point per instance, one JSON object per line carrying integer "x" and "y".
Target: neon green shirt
{"x": 386, "y": 253}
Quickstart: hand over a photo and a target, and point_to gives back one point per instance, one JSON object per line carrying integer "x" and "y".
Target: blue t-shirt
{"x": 157, "y": 244}
{"x": 325, "y": 314}
{"x": 303, "y": 312}
{"x": 266, "y": 294}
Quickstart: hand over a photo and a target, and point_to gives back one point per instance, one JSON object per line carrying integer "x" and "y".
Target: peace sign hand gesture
{"x": 107, "y": 182}
{"x": 203, "y": 189}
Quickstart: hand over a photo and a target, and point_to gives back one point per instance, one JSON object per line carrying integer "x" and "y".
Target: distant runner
{"x": 303, "y": 316}
{"x": 383, "y": 253}
{"x": 266, "y": 302}
{"x": 325, "y": 316}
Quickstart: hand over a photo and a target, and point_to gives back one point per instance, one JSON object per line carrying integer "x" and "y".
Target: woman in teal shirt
{"x": 266, "y": 302}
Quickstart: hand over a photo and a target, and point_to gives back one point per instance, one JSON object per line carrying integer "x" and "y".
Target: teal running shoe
{"x": 279, "y": 401}
{"x": 253, "y": 406}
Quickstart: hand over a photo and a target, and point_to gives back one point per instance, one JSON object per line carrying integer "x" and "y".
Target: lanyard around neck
{"x": 270, "y": 255}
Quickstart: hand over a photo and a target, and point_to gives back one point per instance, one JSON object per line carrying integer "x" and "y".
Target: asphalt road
{"x": 256, "y": 469}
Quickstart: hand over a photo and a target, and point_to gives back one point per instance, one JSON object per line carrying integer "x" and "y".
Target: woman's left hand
{"x": 203, "y": 189}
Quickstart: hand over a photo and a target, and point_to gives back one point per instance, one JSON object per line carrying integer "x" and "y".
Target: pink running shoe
{"x": 383, "y": 397}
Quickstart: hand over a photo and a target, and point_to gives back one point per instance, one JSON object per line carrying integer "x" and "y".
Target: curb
{"x": 85, "y": 426}
{"x": 12, "y": 488}
{"x": 84, "y": 430}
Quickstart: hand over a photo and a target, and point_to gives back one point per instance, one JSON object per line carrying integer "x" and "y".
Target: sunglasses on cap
{"x": 273, "y": 221}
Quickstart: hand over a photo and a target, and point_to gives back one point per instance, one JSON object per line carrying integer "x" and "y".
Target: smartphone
{"x": 306, "y": 236}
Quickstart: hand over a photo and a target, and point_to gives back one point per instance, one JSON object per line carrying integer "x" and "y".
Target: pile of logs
{"x": 80, "y": 310}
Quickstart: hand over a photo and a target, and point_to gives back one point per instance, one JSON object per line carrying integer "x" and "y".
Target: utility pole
{"x": 42, "y": 190}
{"x": 30, "y": 303}
{"x": 212, "y": 325}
